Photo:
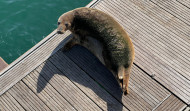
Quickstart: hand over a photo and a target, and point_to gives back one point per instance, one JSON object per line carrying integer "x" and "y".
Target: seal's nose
{"x": 59, "y": 32}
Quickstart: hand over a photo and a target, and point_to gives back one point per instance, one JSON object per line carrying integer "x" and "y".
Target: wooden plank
{"x": 49, "y": 95}
{"x": 133, "y": 22}
{"x": 171, "y": 82}
{"x": 65, "y": 87}
{"x": 151, "y": 94}
{"x": 10, "y": 102}
{"x": 3, "y": 105}
{"x": 184, "y": 2}
{"x": 13, "y": 101}
{"x": 6, "y": 103}
{"x": 31, "y": 59}
{"x": 81, "y": 80}
{"x": 172, "y": 103}
{"x": 24, "y": 96}
{"x": 175, "y": 8}
{"x": 164, "y": 18}
{"x": 145, "y": 93}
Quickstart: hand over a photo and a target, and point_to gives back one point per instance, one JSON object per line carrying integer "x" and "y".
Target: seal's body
{"x": 103, "y": 36}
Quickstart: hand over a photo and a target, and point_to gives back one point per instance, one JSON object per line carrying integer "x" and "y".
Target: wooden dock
{"x": 45, "y": 78}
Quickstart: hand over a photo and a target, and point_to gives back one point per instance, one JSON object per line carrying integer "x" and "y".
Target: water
{"x": 23, "y": 23}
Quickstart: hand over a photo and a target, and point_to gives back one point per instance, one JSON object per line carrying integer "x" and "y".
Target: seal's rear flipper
{"x": 121, "y": 72}
{"x": 123, "y": 76}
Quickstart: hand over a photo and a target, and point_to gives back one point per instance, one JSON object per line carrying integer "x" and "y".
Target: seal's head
{"x": 64, "y": 22}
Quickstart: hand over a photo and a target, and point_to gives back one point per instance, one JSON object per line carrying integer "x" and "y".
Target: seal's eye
{"x": 58, "y": 23}
{"x": 66, "y": 24}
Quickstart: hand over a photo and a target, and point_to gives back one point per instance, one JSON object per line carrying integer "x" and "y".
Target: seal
{"x": 104, "y": 37}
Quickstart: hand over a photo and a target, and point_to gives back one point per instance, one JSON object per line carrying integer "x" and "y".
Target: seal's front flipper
{"x": 75, "y": 40}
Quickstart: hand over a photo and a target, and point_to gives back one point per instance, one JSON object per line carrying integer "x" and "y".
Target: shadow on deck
{"x": 83, "y": 69}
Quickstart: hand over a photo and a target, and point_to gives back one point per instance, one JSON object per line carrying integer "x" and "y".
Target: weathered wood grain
{"x": 184, "y": 2}
{"x": 49, "y": 95}
{"x": 9, "y": 103}
{"x": 25, "y": 97}
{"x": 164, "y": 18}
{"x": 148, "y": 39}
{"x": 175, "y": 8}
{"x": 171, "y": 104}
{"x": 3, "y": 105}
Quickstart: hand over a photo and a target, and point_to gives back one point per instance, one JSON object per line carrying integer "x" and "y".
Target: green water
{"x": 23, "y": 23}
